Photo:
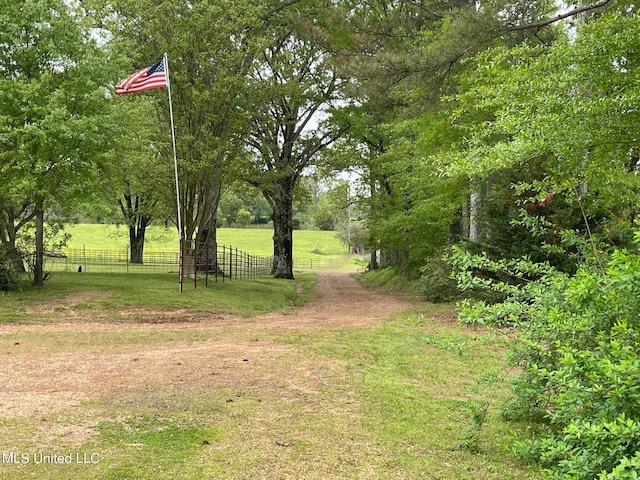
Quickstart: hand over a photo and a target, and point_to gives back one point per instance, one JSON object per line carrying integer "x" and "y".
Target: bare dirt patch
{"x": 37, "y": 382}
{"x": 70, "y": 300}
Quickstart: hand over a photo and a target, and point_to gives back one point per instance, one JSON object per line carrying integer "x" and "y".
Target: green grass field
{"x": 388, "y": 400}
{"x": 306, "y": 243}
{"x": 104, "y": 248}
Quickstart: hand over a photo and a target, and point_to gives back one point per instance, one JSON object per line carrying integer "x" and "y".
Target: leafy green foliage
{"x": 58, "y": 125}
{"x": 437, "y": 283}
{"x": 10, "y": 277}
{"x": 578, "y": 344}
{"x": 569, "y": 108}
{"x": 544, "y": 122}
{"x": 210, "y": 47}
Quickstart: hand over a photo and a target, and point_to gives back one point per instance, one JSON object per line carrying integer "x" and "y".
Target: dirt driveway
{"x": 56, "y": 366}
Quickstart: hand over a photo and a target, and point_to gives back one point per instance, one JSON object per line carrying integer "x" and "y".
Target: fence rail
{"x": 219, "y": 262}
{"x": 320, "y": 263}
{"x": 231, "y": 263}
{"x": 227, "y": 264}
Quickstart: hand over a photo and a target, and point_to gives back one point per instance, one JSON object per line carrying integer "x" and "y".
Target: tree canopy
{"x": 56, "y": 124}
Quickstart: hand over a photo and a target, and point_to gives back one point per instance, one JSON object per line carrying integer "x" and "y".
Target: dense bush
{"x": 437, "y": 283}
{"x": 577, "y": 350}
{"x": 10, "y": 277}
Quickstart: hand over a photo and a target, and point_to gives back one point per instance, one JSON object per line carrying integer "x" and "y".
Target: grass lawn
{"x": 256, "y": 241}
{"x": 100, "y": 295}
{"x": 197, "y": 396}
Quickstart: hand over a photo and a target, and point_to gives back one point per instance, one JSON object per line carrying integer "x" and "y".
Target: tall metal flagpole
{"x": 175, "y": 166}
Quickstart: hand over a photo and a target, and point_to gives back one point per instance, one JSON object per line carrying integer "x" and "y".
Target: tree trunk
{"x": 8, "y": 236}
{"x": 207, "y": 241}
{"x": 136, "y": 213}
{"x": 136, "y": 242}
{"x": 373, "y": 262}
{"x": 582, "y": 185}
{"x": 12, "y": 219}
{"x": 475, "y": 204}
{"x": 38, "y": 269}
{"x": 465, "y": 219}
{"x": 15, "y": 258}
{"x": 283, "y": 234}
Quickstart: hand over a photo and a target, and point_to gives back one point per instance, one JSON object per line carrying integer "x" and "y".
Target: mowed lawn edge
{"x": 110, "y": 296}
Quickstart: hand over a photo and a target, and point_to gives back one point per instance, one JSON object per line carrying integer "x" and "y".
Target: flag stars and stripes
{"x": 146, "y": 79}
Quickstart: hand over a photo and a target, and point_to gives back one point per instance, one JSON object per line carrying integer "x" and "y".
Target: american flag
{"x": 146, "y": 79}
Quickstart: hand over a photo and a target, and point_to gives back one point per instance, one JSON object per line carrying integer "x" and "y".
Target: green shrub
{"x": 500, "y": 292}
{"x": 437, "y": 283}
{"x": 578, "y": 350}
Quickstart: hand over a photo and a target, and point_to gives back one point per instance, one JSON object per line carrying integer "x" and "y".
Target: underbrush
{"x": 578, "y": 350}
{"x": 390, "y": 278}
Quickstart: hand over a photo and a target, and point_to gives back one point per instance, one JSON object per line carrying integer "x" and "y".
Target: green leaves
{"x": 578, "y": 351}
{"x": 56, "y": 124}
{"x": 573, "y": 104}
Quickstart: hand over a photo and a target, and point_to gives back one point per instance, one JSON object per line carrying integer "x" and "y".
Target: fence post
{"x": 206, "y": 267}
{"x": 224, "y": 258}
{"x": 195, "y": 263}
{"x": 181, "y": 264}
{"x": 215, "y": 263}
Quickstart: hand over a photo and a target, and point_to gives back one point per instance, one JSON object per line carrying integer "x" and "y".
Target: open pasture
{"x": 256, "y": 241}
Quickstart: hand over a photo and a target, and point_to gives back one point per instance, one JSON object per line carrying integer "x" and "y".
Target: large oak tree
{"x": 295, "y": 89}
{"x": 209, "y": 46}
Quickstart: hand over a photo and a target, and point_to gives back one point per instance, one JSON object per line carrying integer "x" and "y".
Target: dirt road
{"x": 56, "y": 366}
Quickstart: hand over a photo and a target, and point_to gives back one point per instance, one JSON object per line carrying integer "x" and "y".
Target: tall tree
{"x": 408, "y": 58}
{"x": 55, "y": 121}
{"x": 142, "y": 180}
{"x": 295, "y": 85}
{"x": 570, "y": 109}
{"x": 209, "y": 46}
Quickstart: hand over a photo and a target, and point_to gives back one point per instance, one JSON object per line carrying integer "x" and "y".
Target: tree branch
{"x": 424, "y": 8}
{"x": 557, "y": 18}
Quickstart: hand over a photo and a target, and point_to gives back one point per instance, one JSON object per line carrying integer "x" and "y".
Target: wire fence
{"x": 218, "y": 261}
{"x": 320, "y": 263}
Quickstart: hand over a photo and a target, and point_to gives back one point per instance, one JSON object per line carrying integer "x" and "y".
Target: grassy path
{"x": 355, "y": 384}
